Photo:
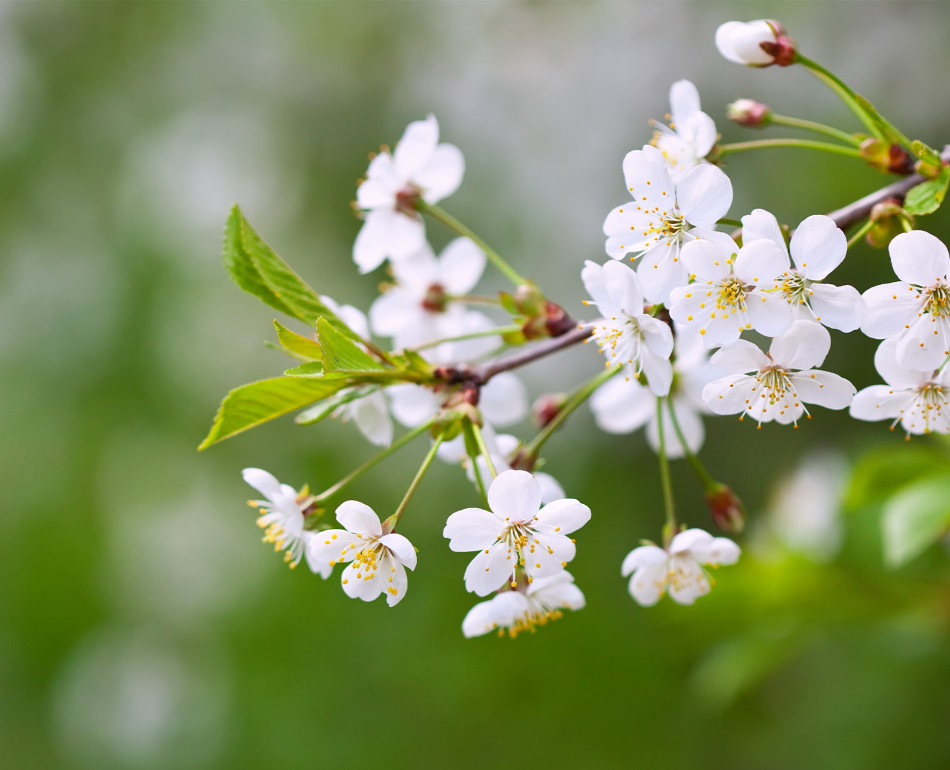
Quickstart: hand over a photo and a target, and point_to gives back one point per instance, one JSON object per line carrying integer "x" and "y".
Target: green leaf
{"x": 926, "y": 197}
{"x": 297, "y": 345}
{"x": 915, "y": 518}
{"x": 341, "y": 354}
{"x": 325, "y": 408}
{"x": 308, "y": 369}
{"x": 926, "y": 153}
{"x": 882, "y": 471}
{"x": 258, "y": 402}
{"x": 257, "y": 269}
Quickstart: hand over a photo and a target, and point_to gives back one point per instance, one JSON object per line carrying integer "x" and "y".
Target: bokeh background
{"x": 143, "y": 625}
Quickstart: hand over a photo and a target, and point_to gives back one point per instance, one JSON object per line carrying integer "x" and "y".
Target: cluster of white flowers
{"x": 675, "y": 326}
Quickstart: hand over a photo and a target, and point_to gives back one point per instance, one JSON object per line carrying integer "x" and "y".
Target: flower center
{"x": 619, "y": 340}
{"x": 938, "y": 301}
{"x": 794, "y": 287}
{"x": 435, "y": 299}
{"x": 531, "y": 619}
{"x": 774, "y": 381}
{"x": 365, "y": 561}
{"x": 927, "y": 404}
{"x": 732, "y": 294}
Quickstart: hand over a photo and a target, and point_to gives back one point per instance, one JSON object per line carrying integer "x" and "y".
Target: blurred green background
{"x": 143, "y": 625}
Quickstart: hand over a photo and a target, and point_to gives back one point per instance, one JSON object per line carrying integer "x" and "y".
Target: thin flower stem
{"x": 470, "y": 336}
{"x": 818, "y": 128}
{"x": 709, "y": 483}
{"x": 452, "y": 223}
{"x": 480, "y": 440}
{"x": 415, "y": 482}
{"x": 574, "y": 400}
{"x": 808, "y": 144}
{"x": 470, "y": 437}
{"x": 669, "y": 528}
{"x": 844, "y": 92}
{"x": 908, "y": 227}
{"x": 373, "y": 461}
{"x": 730, "y": 222}
{"x": 864, "y": 229}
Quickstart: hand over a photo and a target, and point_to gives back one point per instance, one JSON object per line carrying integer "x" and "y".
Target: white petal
{"x": 330, "y": 547}
{"x": 704, "y": 195}
{"x": 263, "y": 482}
{"x": 684, "y": 101}
{"x": 504, "y": 399}
{"x": 489, "y": 570}
{"x": 358, "y": 518}
{"x": 551, "y": 490}
{"x": 461, "y": 264}
{"x": 515, "y": 495}
{"x": 818, "y": 247}
{"x": 472, "y": 529}
{"x": 548, "y": 556}
{"x": 412, "y": 404}
{"x": 759, "y": 262}
{"x": 442, "y": 175}
{"x": 648, "y": 583}
{"x": 691, "y": 426}
{"x": 317, "y": 565}
{"x": 919, "y": 258}
{"x": 769, "y": 314}
{"x": 803, "y": 346}
{"x": 416, "y": 146}
{"x": 645, "y": 174}
{"x": 360, "y": 587}
{"x": 371, "y": 415}
{"x": 924, "y": 345}
{"x": 762, "y": 224}
{"x": 563, "y": 516}
{"x": 394, "y": 311}
{"x": 879, "y": 402}
{"x": 885, "y": 361}
{"x": 707, "y": 260}
{"x": 688, "y": 581}
{"x": 372, "y": 241}
{"x": 498, "y": 612}
{"x": 622, "y": 406}
{"x": 740, "y": 357}
{"x": 396, "y": 589}
{"x": 891, "y": 307}
{"x": 823, "y": 388}
{"x": 659, "y": 371}
{"x": 729, "y": 395}
{"x": 661, "y": 270}
{"x": 642, "y": 556}
{"x": 719, "y": 550}
{"x": 595, "y": 281}
{"x": 401, "y": 548}
{"x": 839, "y": 307}
{"x": 623, "y": 286}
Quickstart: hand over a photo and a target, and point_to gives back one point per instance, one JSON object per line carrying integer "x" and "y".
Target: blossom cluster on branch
{"x": 680, "y": 329}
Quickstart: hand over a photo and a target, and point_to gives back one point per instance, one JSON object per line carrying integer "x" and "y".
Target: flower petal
{"x": 762, "y": 224}
{"x": 461, "y": 264}
{"x": 648, "y": 583}
{"x": 489, "y": 570}
{"x": 416, "y": 146}
{"x": 642, "y": 556}
{"x": 741, "y": 357}
{"x": 704, "y": 195}
{"x": 472, "y": 529}
{"x": 442, "y": 174}
{"x": 919, "y": 258}
{"x": 515, "y": 495}
{"x": 803, "y": 346}
{"x": 358, "y": 518}
{"x": 891, "y": 307}
{"x": 563, "y": 516}
{"x": 838, "y": 307}
{"x": 401, "y": 548}
{"x": 823, "y": 388}
{"x": 818, "y": 246}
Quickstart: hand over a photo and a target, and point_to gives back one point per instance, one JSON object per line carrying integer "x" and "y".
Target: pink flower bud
{"x": 726, "y": 508}
{"x": 749, "y": 113}
{"x": 758, "y": 43}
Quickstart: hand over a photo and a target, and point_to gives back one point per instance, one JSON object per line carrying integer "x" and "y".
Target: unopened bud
{"x": 888, "y": 219}
{"x": 557, "y": 321}
{"x": 727, "y": 510}
{"x": 749, "y": 113}
{"x": 758, "y": 43}
{"x": 885, "y": 156}
{"x": 547, "y": 407}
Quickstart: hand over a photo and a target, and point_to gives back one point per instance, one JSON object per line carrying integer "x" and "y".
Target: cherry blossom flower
{"x": 523, "y": 609}
{"x": 915, "y": 309}
{"x": 663, "y": 216}
{"x": 624, "y": 405}
{"x": 728, "y": 295}
{"x": 781, "y": 381}
{"x": 755, "y": 43}
{"x": 516, "y": 533}
{"x": 427, "y": 303}
{"x": 281, "y": 517}
{"x": 915, "y": 399}
{"x": 378, "y": 558}
{"x": 419, "y": 167}
{"x": 625, "y": 334}
{"x": 690, "y": 135}
{"x": 817, "y": 247}
{"x": 655, "y": 571}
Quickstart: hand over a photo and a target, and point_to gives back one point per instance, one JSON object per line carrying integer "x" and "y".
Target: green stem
{"x": 844, "y": 92}
{"x": 730, "y": 222}
{"x": 860, "y": 233}
{"x": 453, "y": 224}
{"x": 669, "y": 528}
{"x": 818, "y": 128}
{"x": 808, "y": 144}
{"x": 480, "y": 440}
{"x": 373, "y": 461}
{"x": 470, "y": 336}
{"x": 708, "y": 482}
{"x": 574, "y": 400}
{"x": 473, "y": 456}
{"x": 415, "y": 482}
{"x": 908, "y": 227}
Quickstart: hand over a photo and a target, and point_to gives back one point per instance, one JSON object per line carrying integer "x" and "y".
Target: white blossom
{"x": 516, "y": 533}
{"x": 281, "y": 517}
{"x": 741, "y": 42}
{"x": 418, "y": 167}
{"x": 662, "y": 216}
{"x": 655, "y": 571}
{"x": 916, "y": 309}
{"x": 625, "y": 334}
{"x": 623, "y": 405}
{"x": 377, "y": 560}
{"x": 915, "y": 399}
{"x": 729, "y": 293}
{"x": 780, "y": 382}
{"x": 690, "y": 135}
{"x": 817, "y": 247}
{"x": 523, "y": 609}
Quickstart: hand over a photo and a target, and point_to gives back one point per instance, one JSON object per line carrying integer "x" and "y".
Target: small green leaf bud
{"x": 888, "y": 217}
{"x": 884, "y": 156}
